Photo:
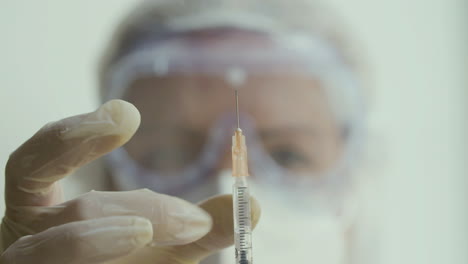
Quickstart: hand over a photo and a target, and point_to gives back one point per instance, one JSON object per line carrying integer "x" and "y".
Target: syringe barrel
{"x": 242, "y": 221}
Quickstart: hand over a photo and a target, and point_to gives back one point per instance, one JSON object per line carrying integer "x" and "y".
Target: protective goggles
{"x": 301, "y": 110}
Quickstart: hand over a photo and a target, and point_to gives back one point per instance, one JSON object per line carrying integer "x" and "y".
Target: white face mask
{"x": 289, "y": 232}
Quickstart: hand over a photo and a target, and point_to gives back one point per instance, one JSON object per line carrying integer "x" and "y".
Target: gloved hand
{"x": 100, "y": 227}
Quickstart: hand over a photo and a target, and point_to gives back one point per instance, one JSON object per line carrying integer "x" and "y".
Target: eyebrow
{"x": 286, "y": 131}
{"x": 170, "y": 128}
{"x": 265, "y": 133}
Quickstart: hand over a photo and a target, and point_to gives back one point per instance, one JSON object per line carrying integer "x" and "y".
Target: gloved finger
{"x": 174, "y": 220}
{"x": 220, "y": 236}
{"x": 61, "y": 147}
{"x": 90, "y": 241}
{"x": 222, "y": 233}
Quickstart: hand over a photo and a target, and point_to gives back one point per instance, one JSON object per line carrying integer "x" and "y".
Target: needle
{"x": 237, "y": 108}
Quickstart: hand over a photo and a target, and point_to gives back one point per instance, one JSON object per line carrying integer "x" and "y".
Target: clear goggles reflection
{"x": 175, "y": 168}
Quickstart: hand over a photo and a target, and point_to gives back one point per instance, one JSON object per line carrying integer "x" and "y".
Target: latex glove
{"x": 97, "y": 227}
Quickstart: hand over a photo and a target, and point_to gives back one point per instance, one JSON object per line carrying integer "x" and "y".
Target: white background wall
{"x": 48, "y": 51}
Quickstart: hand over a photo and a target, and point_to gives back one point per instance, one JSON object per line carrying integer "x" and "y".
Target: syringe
{"x": 241, "y": 197}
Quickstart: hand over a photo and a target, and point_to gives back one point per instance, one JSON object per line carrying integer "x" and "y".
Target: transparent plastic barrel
{"x": 242, "y": 222}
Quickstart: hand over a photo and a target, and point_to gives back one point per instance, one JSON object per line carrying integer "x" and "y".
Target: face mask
{"x": 290, "y": 230}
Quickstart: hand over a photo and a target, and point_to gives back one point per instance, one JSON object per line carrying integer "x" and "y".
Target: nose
{"x": 222, "y": 134}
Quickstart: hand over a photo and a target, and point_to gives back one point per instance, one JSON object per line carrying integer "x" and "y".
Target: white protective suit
{"x": 82, "y": 230}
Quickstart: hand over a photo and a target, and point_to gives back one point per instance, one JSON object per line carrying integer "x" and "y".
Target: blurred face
{"x": 293, "y": 120}
{"x": 184, "y": 90}
{"x": 293, "y": 138}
